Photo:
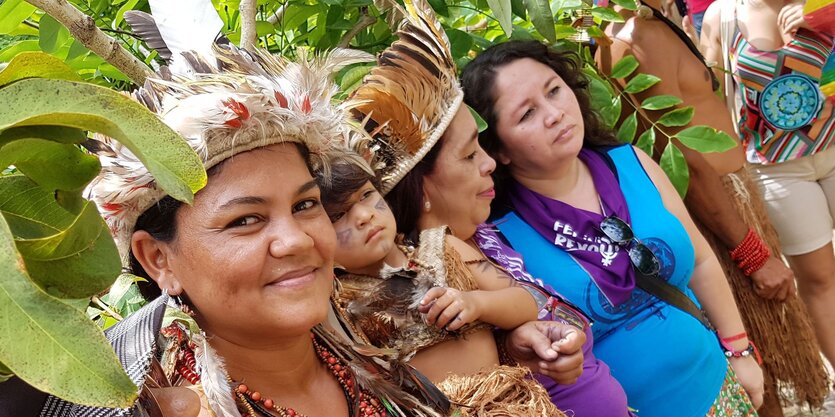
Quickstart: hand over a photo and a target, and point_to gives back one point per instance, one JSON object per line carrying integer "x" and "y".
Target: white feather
{"x": 186, "y": 25}
{"x": 212, "y": 371}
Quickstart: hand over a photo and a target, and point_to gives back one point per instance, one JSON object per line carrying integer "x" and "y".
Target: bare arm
{"x": 498, "y": 301}
{"x": 708, "y": 283}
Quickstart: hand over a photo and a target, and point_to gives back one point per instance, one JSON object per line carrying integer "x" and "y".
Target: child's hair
{"x": 347, "y": 172}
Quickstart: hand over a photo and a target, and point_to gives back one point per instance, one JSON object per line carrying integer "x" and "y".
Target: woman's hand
{"x": 549, "y": 348}
{"x": 774, "y": 280}
{"x": 450, "y": 309}
{"x": 791, "y": 18}
{"x": 750, "y": 376}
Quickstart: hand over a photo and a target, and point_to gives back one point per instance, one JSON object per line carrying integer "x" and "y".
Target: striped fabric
{"x": 134, "y": 341}
{"x": 805, "y": 54}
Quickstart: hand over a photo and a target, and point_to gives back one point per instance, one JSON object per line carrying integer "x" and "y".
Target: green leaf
{"x": 677, "y": 117}
{"x": 675, "y": 166}
{"x": 606, "y": 14}
{"x": 460, "y": 42}
{"x": 55, "y": 348}
{"x": 53, "y": 166}
{"x": 624, "y": 67}
{"x": 52, "y": 34}
{"x": 518, "y": 8}
{"x": 542, "y": 18}
{"x": 627, "y": 130}
{"x": 503, "y": 13}
{"x": 29, "y": 45}
{"x": 353, "y": 77}
{"x": 705, "y": 139}
{"x": 481, "y": 125}
{"x": 58, "y": 134}
{"x": 646, "y": 142}
{"x": 68, "y": 256}
{"x": 263, "y": 28}
{"x": 640, "y": 83}
{"x": 175, "y": 166}
{"x": 120, "y": 14}
{"x": 440, "y": 7}
{"x": 12, "y": 12}
{"x": 660, "y": 102}
{"x": 564, "y": 31}
{"x": 36, "y": 64}
{"x": 5, "y": 373}
{"x": 627, "y": 4}
{"x": 611, "y": 113}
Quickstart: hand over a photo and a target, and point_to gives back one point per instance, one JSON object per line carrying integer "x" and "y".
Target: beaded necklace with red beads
{"x": 256, "y": 404}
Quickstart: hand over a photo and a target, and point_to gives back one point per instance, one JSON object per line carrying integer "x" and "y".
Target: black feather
{"x": 144, "y": 25}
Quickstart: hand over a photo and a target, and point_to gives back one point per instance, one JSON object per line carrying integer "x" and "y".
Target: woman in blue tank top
{"x": 596, "y": 220}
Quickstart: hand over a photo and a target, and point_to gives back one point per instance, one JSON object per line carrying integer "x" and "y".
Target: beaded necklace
{"x": 256, "y": 404}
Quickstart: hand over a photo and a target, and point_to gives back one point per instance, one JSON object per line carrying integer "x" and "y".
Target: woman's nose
{"x": 289, "y": 239}
{"x": 488, "y": 165}
{"x": 553, "y": 114}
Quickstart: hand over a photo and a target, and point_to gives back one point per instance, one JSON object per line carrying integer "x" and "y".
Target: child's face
{"x": 365, "y": 233}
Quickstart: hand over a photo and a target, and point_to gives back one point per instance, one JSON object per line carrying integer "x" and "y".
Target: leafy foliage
{"x": 55, "y": 250}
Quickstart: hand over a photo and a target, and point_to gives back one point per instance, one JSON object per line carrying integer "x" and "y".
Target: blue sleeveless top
{"x": 669, "y": 364}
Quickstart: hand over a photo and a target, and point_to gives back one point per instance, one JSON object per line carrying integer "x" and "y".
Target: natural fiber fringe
{"x": 782, "y": 331}
{"x": 502, "y": 391}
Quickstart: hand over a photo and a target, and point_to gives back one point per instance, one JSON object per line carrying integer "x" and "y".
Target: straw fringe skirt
{"x": 782, "y": 331}
{"x": 500, "y": 391}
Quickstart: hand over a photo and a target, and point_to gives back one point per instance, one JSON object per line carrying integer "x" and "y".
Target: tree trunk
{"x": 248, "y": 33}
{"x": 83, "y": 28}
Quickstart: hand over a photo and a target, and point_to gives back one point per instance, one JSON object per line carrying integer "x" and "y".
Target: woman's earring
{"x": 427, "y": 206}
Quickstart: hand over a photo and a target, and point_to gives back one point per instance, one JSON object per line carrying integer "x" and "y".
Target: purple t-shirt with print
{"x": 596, "y": 393}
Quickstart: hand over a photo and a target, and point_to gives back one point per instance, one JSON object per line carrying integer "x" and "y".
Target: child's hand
{"x": 448, "y": 308}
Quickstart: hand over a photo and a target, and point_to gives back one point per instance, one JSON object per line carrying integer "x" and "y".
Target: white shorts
{"x": 800, "y": 198}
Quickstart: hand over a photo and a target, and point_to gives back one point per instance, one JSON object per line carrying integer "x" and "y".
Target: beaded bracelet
{"x": 751, "y": 254}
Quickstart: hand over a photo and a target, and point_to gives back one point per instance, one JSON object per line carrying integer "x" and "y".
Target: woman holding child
{"x": 595, "y": 220}
{"x": 424, "y": 143}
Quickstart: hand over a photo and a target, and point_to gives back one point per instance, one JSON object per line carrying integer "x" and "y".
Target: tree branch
{"x": 248, "y": 33}
{"x": 274, "y": 18}
{"x": 364, "y": 22}
{"x": 83, "y": 28}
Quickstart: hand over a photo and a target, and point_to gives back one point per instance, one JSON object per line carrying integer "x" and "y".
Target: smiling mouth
{"x": 295, "y": 278}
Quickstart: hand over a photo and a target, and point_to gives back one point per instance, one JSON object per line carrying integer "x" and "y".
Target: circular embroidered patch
{"x": 790, "y": 101}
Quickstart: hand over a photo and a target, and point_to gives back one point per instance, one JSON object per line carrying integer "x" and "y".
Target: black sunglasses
{"x": 643, "y": 260}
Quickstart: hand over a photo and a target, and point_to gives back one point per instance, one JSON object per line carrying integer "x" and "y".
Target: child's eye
{"x": 304, "y": 205}
{"x": 335, "y": 218}
{"x": 367, "y": 194}
{"x": 244, "y": 221}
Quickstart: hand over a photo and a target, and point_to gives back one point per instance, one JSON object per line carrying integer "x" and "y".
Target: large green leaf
{"x": 174, "y": 165}
{"x": 5, "y": 373}
{"x": 12, "y": 12}
{"x": 36, "y": 64}
{"x": 627, "y": 4}
{"x": 627, "y": 130}
{"x": 502, "y": 11}
{"x": 53, "y": 346}
{"x": 640, "y": 83}
{"x": 460, "y": 42}
{"x": 52, "y": 34}
{"x": 68, "y": 256}
{"x": 54, "y": 166}
{"x": 625, "y": 67}
{"x": 542, "y": 18}
{"x": 677, "y": 117}
{"x": 675, "y": 166}
{"x": 705, "y": 139}
{"x": 58, "y": 134}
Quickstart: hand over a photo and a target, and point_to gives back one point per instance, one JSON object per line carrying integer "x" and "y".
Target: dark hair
{"x": 160, "y": 221}
{"x": 343, "y": 178}
{"x": 478, "y": 81}
{"x": 406, "y": 198}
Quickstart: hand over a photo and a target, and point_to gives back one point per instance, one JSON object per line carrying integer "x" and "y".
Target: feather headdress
{"x": 232, "y": 102}
{"x": 409, "y": 99}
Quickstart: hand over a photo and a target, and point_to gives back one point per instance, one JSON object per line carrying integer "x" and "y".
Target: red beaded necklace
{"x": 252, "y": 400}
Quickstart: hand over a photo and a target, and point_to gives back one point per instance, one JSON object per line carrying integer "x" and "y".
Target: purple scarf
{"x": 577, "y": 231}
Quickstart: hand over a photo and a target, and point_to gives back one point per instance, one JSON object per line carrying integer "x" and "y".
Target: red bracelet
{"x": 748, "y": 351}
{"x": 751, "y": 254}
{"x": 733, "y": 338}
